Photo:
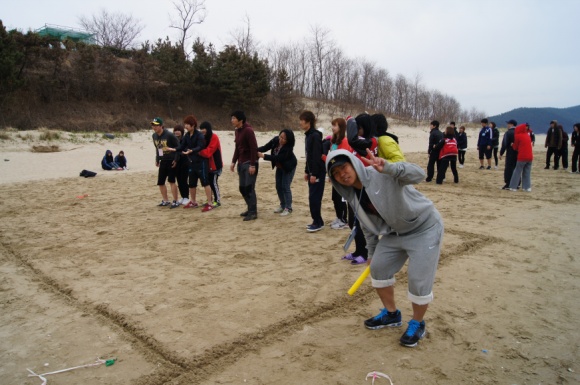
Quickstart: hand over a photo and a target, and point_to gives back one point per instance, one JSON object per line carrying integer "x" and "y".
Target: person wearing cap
{"x": 165, "y": 144}
{"x": 246, "y": 157}
{"x": 399, "y": 224}
{"x": 511, "y": 158}
{"x": 485, "y": 144}
{"x": 553, "y": 144}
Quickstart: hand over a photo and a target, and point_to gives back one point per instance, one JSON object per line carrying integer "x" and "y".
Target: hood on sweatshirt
{"x": 521, "y": 129}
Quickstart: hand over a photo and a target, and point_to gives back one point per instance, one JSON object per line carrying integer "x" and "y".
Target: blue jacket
{"x": 108, "y": 163}
{"x": 485, "y": 138}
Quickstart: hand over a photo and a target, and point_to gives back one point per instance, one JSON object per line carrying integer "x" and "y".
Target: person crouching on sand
{"x": 399, "y": 223}
{"x": 108, "y": 162}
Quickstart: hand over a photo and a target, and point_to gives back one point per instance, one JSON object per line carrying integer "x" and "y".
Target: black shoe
{"x": 415, "y": 331}
{"x": 384, "y": 320}
{"x": 250, "y": 217}
{"x": 481, "y": 167}
{"x": 244, "y": 214}
{"x": 428, "y": 180}
{"x": 488, "y": 168}
{"x": 506, "y": 187}
{"x": 547, "y": 168}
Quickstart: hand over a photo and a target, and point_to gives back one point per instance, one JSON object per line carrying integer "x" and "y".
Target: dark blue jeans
{"x": 315, "y": 194}
{"x": 283, "y": 182}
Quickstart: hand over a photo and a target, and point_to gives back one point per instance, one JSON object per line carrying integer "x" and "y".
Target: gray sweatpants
{"x": 422, "y": 249}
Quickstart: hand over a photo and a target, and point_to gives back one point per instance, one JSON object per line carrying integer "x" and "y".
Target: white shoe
{"x": 495, "y": 167}
{"x": 184, "y": 201}
{"x": 528, "y": 190}
{"x": 278, "y": 210}
{"x": 460, "y": 166}
{"x": 338, "y": 225}
{"x": 513, "y": 189}
{"x": 285, "y": 212}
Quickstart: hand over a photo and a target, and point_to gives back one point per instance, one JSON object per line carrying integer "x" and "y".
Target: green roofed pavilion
{"x": 66, "y": 33}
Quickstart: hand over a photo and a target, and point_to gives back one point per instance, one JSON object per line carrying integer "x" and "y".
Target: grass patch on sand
{"x": 49, "y": 135}
{"x": 4, "y": 136}
{"x": 50, "y": 148}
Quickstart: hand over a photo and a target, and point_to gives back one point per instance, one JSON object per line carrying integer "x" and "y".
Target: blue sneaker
{"x": 314, "y": 228}
{"x": 415, "y": 331}
{"x": 384, "y": 320}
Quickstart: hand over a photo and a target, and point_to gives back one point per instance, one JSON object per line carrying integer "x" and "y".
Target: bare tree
{"x": 189, "y": 13}
{"x": 243, "y": 38}
{"x": 115, "y": 30}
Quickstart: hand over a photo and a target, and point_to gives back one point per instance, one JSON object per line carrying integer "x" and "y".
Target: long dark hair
{"x": 208, "y": 131}
{"x": 290, "y": 140}
{"x": 365, "y": 122}
{"x": 337, "y": 138}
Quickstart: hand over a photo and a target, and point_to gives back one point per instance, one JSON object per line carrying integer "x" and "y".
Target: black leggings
{"x": 339, "y": 206}
{"x": 359, "y": 237}
{"x": 495, "y": 156}
{"x": 461, "y": 157}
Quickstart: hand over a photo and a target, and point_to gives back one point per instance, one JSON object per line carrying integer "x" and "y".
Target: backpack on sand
{"x": 87, "y": 173}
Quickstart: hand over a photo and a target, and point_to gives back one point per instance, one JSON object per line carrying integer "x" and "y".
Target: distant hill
{"x": 540, "y": 118}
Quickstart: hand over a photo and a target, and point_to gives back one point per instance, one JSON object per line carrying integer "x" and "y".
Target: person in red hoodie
{"x": 213, "y": 152}
{"x": 523, "y": 145}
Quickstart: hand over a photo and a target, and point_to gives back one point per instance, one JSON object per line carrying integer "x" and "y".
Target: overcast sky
{"x": 494, "y": 55}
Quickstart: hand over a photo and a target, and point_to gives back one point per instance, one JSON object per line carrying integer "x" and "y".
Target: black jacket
{"x": 194, "y": 142}
{"x": 285, "y": 158}
{"x": 506, "y": 144}
{"x": 461, "y": 140}
{"x": 313, "y": 151}
{"x": 435, "y": 136}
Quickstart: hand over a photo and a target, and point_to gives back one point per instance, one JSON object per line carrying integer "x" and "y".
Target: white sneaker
{"x": 338, "y": 225}
{"x": 460, "y": 166}
{"x": 184, "y": 201}
{"x": 528, "y": 189}
{"x": 495, "y": 167}
{"x": 278, "y": 210}
{"x": 285, "y": 212}
{"x": 334, "y": 222}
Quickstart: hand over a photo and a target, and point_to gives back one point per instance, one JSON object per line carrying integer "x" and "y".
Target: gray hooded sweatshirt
{"x": 402, "y": 209}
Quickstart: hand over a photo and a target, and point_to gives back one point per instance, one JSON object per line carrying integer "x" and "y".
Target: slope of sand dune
{"x": 92, "y": 268}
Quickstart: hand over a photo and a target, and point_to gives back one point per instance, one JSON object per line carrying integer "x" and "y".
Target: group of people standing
{"x": 445, "y": 148}
{"x": 557, "y": 146}
{"x": 186, "y": 157}
{"x": 390, "y": 221}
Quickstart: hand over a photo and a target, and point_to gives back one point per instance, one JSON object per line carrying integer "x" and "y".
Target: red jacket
{"x": 213, "y": 152}
{"x": 343, "y": 145}
{"x": 449, "y": 148}
{"x": 523, "y": 144}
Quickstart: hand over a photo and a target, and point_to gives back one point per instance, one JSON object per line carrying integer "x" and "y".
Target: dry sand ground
{"x": 184, "y": 297}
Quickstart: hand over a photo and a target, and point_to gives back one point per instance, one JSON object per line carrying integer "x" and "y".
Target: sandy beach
{"x": 92, "y": 268}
